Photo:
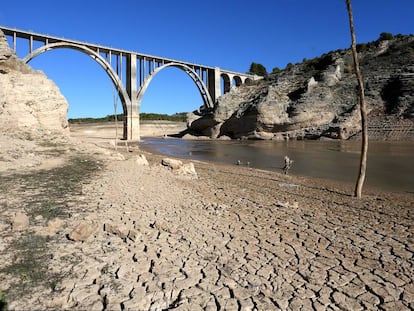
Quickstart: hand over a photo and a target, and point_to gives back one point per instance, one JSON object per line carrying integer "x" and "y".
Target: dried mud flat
{"x": 99, "y": 231}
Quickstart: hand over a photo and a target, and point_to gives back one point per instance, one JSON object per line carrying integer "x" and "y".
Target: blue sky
{"x": 228, "y": 34}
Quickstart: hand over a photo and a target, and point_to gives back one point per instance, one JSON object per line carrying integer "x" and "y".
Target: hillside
{"x": 318, "y": 98}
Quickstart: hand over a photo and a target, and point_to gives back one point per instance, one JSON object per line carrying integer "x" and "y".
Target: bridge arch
{"x": 237, "y": 81}
{"x": 226, "y": 82}
{"x": 248, "y": 81}
{"x": 208, "y": 102}
{"x": 123, "y": 95}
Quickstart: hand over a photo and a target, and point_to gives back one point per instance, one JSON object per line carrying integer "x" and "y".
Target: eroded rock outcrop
{"x": 318, "y": 98}
{"x": 29, "y": 101}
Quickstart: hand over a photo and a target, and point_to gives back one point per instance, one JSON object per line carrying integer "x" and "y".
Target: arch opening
{"x": 197, "y": 80}
{"x": 225, "y": 83}
{"x": 237, "y": 81}
{"x": 170, "y": 92}
{"x": 248, "y": 81}
{"x": 89, "y": 100}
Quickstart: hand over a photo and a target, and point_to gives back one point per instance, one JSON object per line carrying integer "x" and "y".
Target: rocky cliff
{"x": 29, "y": 101}
{"x": 318, "y": 98}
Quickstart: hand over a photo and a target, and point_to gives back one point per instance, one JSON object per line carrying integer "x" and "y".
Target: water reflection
{"x": 390, "y": 164}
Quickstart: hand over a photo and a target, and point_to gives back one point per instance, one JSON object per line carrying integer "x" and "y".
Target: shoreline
{"x": 298, "y": 172}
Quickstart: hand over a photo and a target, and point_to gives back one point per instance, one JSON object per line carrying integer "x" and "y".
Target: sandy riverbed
{"x": 108, "y": 130}
{"x": 232, "y": 239}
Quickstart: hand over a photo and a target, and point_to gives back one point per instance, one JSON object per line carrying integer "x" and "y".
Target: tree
{"x": 362, "y": 107}
{"x": 258, "y": 69}
{"x": 385, "y": 36}
{"x": 276, "y": 70}
{"x": 289, "y": 66}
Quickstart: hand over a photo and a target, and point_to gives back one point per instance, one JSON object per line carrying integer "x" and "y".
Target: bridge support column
{"x": 133, "y": 107}
{"x": 133, "y": 126}
{"x": 214, "y": 83}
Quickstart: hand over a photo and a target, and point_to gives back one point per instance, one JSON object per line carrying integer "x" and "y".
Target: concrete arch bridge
{"x": 132, "y": 72}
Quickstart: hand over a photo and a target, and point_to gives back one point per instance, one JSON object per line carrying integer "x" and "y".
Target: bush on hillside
{"x": 385, "y": 36}
{"x": 258, "y": 69}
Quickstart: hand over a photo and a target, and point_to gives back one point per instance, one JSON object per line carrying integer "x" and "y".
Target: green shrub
{"x": 3, "y": 303}
{"x": 385, "y": 36}
{"x": 348, "y": 69}
{"x": 258, "y": 69}
{"x": 362, "y": 47}
{"x": 276, "y": 70}
{"x": 289, "y": 66}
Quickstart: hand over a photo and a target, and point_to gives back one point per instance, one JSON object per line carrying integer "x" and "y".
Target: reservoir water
{"x": 390, "y": 165}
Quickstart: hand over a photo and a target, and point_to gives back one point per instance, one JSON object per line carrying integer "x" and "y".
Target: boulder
{"x": 54, "y": 225}
{"x": 20, "y": 222}
{"x": 180, "y": 169}
{"x": 171, "y": 163}
{"x": 142, "y": 160}
{"x": 82, "y": 231}
{"x": 187, "y": 170}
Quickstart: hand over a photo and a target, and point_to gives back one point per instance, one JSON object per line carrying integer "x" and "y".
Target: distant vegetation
{"x": 178, "y": 117}
{"x": 258, "y": 69}
{"x": 320, "y": 63}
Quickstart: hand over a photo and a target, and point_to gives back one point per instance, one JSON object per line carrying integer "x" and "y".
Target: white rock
{"x": 20, "y": 222}
{"x": 142, "y": 160}
{"x": 188, "y": 170}
{"x": 82, "y": 231}
{"x": 172, "y": 163}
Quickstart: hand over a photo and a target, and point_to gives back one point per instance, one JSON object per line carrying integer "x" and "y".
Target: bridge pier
{"x": 213, "y": 83}
{"x": 133, "y": 126}
{"x": 132, "y": 110}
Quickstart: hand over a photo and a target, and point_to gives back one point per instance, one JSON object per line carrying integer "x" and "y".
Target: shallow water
{"x": 390, "y": 164}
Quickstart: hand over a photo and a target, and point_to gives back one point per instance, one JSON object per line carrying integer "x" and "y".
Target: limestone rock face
{"x": 318, "y": 98}
{"x": 29, "y": 101}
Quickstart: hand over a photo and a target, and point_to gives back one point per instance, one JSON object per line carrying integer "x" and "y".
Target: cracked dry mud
{"x": 233, "y": 239}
